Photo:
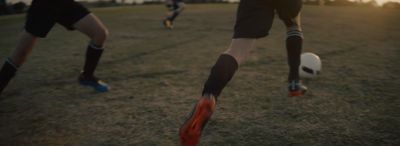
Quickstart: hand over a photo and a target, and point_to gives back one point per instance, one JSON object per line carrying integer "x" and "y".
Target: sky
{"x": 380, "y": 2}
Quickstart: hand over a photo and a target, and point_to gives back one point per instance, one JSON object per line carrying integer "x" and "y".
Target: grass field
{"x": 157, "y": 75}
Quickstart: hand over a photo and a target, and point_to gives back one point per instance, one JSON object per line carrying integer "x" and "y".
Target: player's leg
{"x": 17, "y": 58}
{"x": 226, "y": 65}
{"x": 170, "y": 6}
{"x": 294, "y": 43}
{"x": 39, "y": 22}
{"x": 289, "y": 13}
{"x": 221, "y": 73}
{"x": 176, "y": 9}
{"x": 97, "y": 32}
{"x": 75, "y": 16}
{"x": 254, "y": 21}
{"x": 25, "y": 45}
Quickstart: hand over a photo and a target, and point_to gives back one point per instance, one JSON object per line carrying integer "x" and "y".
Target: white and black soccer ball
{"x": 310, "y": 66}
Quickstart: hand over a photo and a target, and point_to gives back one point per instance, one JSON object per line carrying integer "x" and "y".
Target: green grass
{"x": 157, "y": 75}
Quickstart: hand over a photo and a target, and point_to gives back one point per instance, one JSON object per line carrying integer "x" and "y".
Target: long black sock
{"x": 221, "y": 73}
{"x": 93, "y": 54}
{"x": 7, "y": 72}
{"x": 294, "y": 44}
{"x": 174, "y": 15}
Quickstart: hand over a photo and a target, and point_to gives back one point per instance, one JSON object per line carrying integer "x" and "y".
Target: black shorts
{"x": 255, "y": 17}
{"x": 43, "y": 14}
{"x": 174, "y": 5}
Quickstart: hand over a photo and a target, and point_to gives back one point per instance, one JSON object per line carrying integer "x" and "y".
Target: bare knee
{"x": 100, "y": 36}
{"x": 93, "y": 28}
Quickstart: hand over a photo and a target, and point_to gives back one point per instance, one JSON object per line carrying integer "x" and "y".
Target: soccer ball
{"x": 310, "y": 66}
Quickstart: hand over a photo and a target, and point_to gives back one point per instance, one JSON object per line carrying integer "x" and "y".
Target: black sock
{"x": 93, "y": 54}
{"x": 7, "y": 72}
{"x": 294, "y": 44}
{"x": 174, "y": 15}
{"x": 221, "y": 73}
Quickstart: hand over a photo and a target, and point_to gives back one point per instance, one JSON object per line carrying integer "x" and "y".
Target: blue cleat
{"x": 94, "y": 82}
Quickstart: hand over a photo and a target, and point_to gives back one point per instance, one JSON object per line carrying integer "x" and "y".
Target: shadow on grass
{"x": 162, "y": 48}
{"x": 149, "y": 75}
{"x": 337, "y": 52}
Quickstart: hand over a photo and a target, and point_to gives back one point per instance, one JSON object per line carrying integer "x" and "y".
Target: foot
{"x": 93, "y": 82}
{"x": 296, "y": 88}
{"x": 168, "y": 24}
{"x": 190, "y": 131}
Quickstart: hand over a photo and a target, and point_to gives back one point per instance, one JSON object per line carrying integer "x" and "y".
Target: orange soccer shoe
{"x": 296, "y": 88}
{"x": 168, "y": 24}
{"x": 190, "y": 131}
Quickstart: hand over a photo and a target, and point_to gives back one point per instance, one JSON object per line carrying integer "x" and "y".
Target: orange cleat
{"x": 296, "y": 88}
{"x": 190, "y": 131}
{"x": 168, "y": 24}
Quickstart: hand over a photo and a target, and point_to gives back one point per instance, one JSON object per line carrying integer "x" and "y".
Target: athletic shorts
{"x": 173, "y": 4}
{"x": 254, "y": 17}
{"x": 43, "y": 14}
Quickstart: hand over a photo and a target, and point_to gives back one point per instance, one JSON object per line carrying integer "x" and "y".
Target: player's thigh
{"x": 179, "y": 6}
{"x": 254, "y": 19}
{"x": 75, "y": 16}
{"x": 289, "y": 12}
{"x": 91, "y": 26}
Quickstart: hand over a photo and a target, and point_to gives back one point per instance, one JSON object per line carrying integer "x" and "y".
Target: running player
{"x": 254, "y": 20}
{"x": 41, "y": 17}
{"x": 175, "y": 7}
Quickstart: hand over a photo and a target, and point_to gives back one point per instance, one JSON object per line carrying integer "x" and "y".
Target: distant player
{"x": 41, "y": 17}
{"x": 175, "y": 7}
{"x": 254, "y": 20}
